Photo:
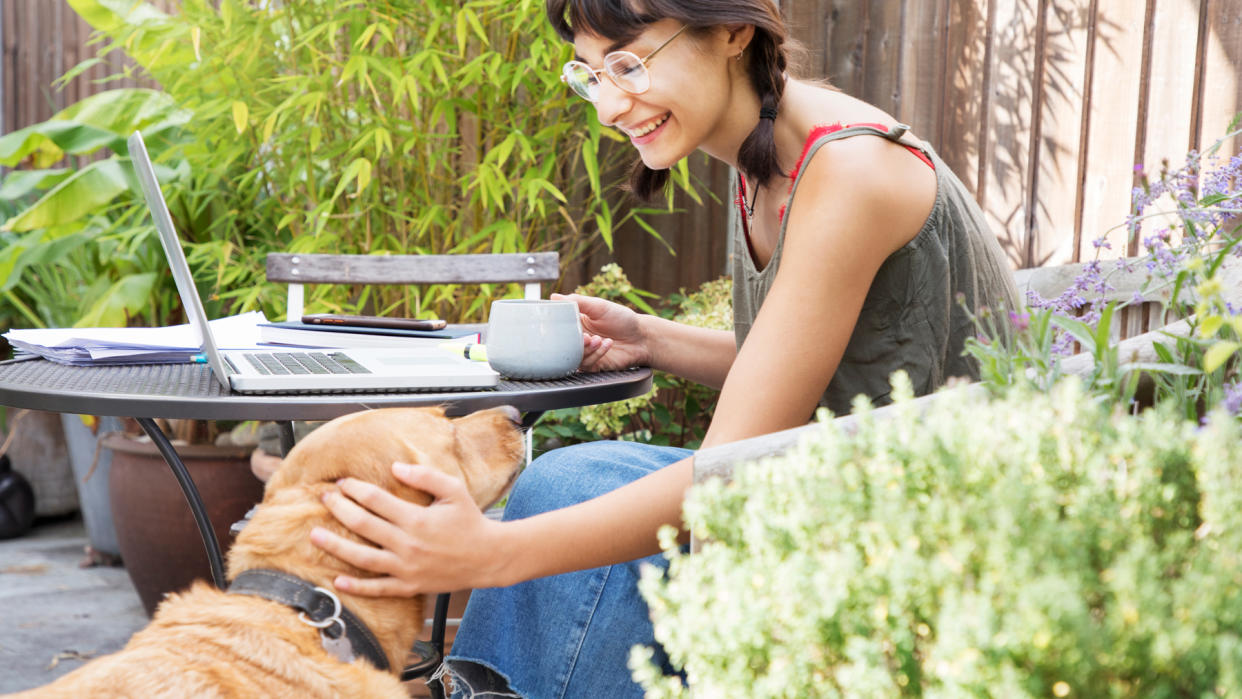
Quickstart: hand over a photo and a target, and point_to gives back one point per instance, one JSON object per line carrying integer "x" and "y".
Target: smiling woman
{"x": 852, "y": 233}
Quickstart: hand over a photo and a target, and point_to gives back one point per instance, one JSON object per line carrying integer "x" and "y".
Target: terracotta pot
{"x": 160, "y": 544}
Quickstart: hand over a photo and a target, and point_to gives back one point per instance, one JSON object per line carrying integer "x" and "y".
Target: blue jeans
{"x": 565, "y": 635}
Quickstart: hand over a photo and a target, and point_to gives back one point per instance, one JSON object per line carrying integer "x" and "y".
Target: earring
{"x": 739, "y": 57}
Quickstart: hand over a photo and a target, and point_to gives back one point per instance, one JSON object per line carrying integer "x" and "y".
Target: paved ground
{"x": 54, "y": 615}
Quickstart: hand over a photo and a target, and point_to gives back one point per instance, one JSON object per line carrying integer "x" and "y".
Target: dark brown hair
{"x": 767, "y": 60}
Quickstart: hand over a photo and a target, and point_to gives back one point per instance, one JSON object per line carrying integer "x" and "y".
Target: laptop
{"x": 303, "y": 371}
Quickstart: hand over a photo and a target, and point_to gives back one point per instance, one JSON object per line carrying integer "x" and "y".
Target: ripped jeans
{"x": 566, "y": 635}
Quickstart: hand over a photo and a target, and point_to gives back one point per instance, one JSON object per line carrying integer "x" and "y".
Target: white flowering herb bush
{"x": 1032, "y": 545}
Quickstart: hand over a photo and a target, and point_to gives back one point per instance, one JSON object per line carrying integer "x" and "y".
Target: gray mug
{"x": 534, "y": 338}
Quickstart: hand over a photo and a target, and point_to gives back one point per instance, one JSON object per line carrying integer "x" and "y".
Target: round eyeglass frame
{"x": 590, "y": 92}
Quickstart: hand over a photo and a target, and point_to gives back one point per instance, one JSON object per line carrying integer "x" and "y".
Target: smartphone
{"x": 373, "y": 322}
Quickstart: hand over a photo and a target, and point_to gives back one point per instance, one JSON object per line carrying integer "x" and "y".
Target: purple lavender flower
{"x": 1233, "y": 398}
{"x": 1020, "y": 321}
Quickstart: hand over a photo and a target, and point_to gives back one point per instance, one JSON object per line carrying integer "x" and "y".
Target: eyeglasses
{"x": 624, "y": 69}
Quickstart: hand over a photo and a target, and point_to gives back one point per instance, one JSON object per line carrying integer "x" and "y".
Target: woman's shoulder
{"x": 886, "y": 190}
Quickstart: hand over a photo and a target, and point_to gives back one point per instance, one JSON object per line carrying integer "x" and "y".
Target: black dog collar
{"x": 342, "y": 633}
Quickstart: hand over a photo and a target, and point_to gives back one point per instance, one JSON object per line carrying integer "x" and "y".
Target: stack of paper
{"x": 106, "y": 346}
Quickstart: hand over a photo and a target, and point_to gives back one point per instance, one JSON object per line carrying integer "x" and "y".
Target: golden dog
{"x": 207, "y": 643}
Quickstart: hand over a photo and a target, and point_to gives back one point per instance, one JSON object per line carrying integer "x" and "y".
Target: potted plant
{"x": 159, "y": 541}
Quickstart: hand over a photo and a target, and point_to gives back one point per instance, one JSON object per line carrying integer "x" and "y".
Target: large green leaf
{"x": 86, "y": 190}
{"x": 19, "y": 183}
{"x": 47, "y": 142}
{"x": 122, "y": 111}
{"x": 127, "y": 297}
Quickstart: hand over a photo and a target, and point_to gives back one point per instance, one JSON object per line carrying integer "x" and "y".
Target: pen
{"x": 469, "y": 350}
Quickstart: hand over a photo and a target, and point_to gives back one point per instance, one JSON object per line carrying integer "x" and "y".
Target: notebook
{"x": 310, "y": 371}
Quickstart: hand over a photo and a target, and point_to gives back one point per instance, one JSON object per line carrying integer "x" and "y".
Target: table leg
{"x": 195, "y": 501}
{"x": 286, "y": 436}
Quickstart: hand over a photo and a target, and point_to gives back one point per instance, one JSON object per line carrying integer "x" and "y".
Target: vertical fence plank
{"x": 8, "y": 66}
{"x": 1009, "y": 122}
{"x": 921, "y": 74}
{"x": 966, "y": 88}
{"x": 1054, "y": 189}
{"x": 847, "y": 44}
{"x": 1109, "y": 178}
{"x": 1222, "y": 74}
{"x": 882, "y": 60}
{"x": 1169, "y": 128}
{"x": 809, "y": 24}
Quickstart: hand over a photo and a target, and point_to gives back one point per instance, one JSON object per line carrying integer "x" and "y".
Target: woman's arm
{"x": 852, "y": 210}
{"x": 617, "y": 337}
{"x": 701, "y": 355}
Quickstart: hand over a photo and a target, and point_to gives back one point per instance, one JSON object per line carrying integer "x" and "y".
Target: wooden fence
{"x": 39, "y": 41}
{"x": 1043, "y": 107}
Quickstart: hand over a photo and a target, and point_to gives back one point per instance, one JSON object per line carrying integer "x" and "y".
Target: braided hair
{"x": 766, "y": 62}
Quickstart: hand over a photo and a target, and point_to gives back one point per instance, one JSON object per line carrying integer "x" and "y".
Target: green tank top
{"x": 910, "y": 319}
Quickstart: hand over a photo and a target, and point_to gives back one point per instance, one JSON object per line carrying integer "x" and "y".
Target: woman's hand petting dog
{"x": 448, "y": 545}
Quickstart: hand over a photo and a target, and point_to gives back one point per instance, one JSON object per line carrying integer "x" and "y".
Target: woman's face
{"x": 690, "y": 89}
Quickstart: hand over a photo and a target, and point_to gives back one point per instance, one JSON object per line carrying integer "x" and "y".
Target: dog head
{"x": 484, "y": 449}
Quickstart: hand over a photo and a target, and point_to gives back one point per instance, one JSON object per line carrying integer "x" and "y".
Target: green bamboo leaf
{"x": 365, "y": 37}
{"x": 473, "y": 19}
{"x": 364, "y": 175}
{"x": 605, "y": 228}
{"x": 501, "y": 152}
{"x": 353, "y": 66}
{"x": 241, "y": 116}
{"x": 76, "y": 71}
{"x": 196, "y": 40}
{"x": 87, "y": 189}
{"x": 157, "y": 38}
{"x": 591, "y": 162}
{"x": 461, "y": 30}
{"x": 1218, "y": 354}
{"x": 353, "y": 172}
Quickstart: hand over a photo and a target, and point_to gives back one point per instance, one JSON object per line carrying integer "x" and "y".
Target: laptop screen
{"x": 176, "y": 256}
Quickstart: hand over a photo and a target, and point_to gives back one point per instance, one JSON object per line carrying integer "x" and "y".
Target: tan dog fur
{"x": 205, "y": 643}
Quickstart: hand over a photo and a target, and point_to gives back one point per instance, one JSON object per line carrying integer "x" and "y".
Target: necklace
{"x": 741, "y": 190}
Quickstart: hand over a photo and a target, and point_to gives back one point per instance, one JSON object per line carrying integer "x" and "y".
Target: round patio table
{"x": 148, "y": 391}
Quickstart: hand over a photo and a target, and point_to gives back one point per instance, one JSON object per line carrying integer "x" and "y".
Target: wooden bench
{"x": 298, "y": 269}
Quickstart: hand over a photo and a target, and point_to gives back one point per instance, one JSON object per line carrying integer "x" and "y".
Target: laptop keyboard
{"x": 290, "y": 363}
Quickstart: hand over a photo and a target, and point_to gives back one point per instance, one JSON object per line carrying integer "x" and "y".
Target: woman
{"x": 854, "y": 238}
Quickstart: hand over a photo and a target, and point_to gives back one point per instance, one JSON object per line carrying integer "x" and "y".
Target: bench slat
{"x": 521, "y": 268}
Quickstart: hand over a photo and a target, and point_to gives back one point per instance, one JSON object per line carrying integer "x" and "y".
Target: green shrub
{"x": 1034, "y": 545}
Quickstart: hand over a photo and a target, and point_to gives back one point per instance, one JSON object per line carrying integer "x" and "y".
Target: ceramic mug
{"x": 534, "y": 338}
